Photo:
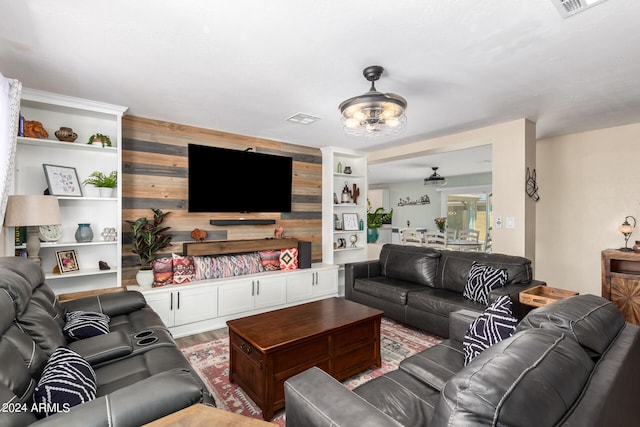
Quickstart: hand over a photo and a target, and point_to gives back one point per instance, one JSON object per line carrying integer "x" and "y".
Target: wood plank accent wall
{"x": 154, "y": 165}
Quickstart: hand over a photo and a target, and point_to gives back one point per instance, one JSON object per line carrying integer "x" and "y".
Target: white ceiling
{"x": 245, "y": 66}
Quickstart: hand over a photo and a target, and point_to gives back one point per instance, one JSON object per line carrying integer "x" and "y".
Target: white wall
{"x": 588, "y": 184}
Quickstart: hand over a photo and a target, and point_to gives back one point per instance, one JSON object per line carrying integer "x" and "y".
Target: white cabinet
{"x": 311, "y": 284}
{"x": 340, "y": 243}
{"x": 85, "y": 117}
{"x": 240, "y": 296}
{"x": 180, "y": 307}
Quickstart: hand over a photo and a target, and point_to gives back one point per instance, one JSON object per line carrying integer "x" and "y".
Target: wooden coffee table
{"x": 339, "y": 336}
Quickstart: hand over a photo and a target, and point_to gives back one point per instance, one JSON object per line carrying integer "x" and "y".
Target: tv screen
{"x": 224, "y": 180}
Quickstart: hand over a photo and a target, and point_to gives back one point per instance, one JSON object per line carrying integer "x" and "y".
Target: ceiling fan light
{"x": 435, "y": 180}
{"x": 377, "y": 113}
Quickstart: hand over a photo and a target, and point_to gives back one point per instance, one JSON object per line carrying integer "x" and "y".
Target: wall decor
{"x": 532, "y": 185}
{"x": 350, "y": 222}
{"x": 67, "y": 261}
{"x": 62, "y": 181}
{"x": 423, "y": 200}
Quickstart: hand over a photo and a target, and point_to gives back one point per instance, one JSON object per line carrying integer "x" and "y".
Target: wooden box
{"x": 543, "y": 295}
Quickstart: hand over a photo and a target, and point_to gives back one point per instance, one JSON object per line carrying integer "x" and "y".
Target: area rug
{"x": 211, "y": 360}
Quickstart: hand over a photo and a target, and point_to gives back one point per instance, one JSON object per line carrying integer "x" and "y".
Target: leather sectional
{"x": 575, "y": 362}
{"x": 140, "y": 373}
{"x": 421, "y": 286}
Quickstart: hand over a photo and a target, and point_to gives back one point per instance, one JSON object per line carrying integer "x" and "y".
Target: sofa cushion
{"x": 492, "y": 326}
{"x": 67, "y": 380}
{"x": 392, "y": 290}
{"x": 85, "y": 324}
{"x": 496, "y": 388}
{"x": 410, "y": 263}
{"x": 482, "y": 280}
{"x": 435, "y": 365}
{"x": 455, "y": 266}
{"x": 591, "y": 320}
{"x": 441, "y": 301}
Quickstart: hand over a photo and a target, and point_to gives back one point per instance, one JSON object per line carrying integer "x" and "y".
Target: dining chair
{"x": 435, "y": 239}
{"x": 468, "y": 234}
{"x": 451, "y": 233}
{"x": 411, "y": 236}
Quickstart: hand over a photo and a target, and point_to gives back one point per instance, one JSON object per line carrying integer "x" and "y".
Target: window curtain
{"x": 10, "y": 91}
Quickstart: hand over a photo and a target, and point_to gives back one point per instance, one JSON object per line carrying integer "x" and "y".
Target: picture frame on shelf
{"x": 62, "y": 180}
{"x": 350, "y": 222}
{"x": 67, "y": 261}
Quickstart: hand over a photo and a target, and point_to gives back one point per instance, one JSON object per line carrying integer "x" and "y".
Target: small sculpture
{"x": 199, "y": 235}
{"x": 103, "y": 265}
{"x": 109, "y": 234}
{"x": 278, "y": 232}
{"x": 34, "y": 129}
{"x": 355, "y": 193}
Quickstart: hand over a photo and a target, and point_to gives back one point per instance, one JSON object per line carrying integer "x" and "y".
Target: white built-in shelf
{"x": 52, "y": 143}
{"x": 70, "y": 243}
{"x": 79, "y": 273}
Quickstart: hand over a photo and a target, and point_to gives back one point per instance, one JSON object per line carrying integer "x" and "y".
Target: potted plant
{"x": 105, "y": 183}
{"x": 441, "y": 223}
{"x": 375, "y": 219}
{"x": 148, "y": 238}
{"x": 98, "y": 137}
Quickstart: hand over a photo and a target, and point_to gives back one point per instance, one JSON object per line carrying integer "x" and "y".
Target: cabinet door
{"x": 193, "y": 305}
{"x": 235, "y": 297}
{"x": 163, "y": 304}
{"x": 269, "y": 292}
{"x": 300, "y": 285}
{"x": 326, "y": 282}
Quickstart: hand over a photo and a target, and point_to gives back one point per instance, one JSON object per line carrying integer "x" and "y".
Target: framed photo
{"x": 350, "y": 222}
{"x": 67, "y": 261}
{"x": 62, "y": 181}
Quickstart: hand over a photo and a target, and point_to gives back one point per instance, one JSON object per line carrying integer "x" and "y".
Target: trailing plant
{"x": 149, "y": 237}
{"x": 376, "y": 218}
{"x": 104, "y": 139}
{"x": 99, "y": 179}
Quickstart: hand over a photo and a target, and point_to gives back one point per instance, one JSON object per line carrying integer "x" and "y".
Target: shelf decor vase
{"x": 144, "y": 278}
{"x": 636, "y": 247}
{"x": 372, "y": 235}
{"x": 84, "y": 233}
{"x": 106, "y": 191}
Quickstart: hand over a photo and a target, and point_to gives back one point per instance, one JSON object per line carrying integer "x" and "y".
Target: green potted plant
{"x": 105, "y": 183}
{"x": 148, "y": 238}
{"x": 441, "y": 223}
{"x": 98, "y": 137}
{"x": 375, "y": 219}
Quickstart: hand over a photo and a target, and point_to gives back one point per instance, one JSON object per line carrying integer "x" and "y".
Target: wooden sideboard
{"x": 621, "y": 282}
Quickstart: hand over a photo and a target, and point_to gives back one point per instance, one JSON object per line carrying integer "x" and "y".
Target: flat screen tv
{"x": 224, "y": 180}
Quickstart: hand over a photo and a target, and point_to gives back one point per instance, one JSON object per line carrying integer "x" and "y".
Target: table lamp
{"x": 626, "y": 229}
{"x": 32, "y": 211}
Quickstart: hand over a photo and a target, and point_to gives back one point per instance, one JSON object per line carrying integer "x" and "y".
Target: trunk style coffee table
{"x": 339, "y": 336}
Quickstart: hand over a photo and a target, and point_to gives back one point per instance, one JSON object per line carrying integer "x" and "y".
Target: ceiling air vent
{"x": 303, "y": 118}
{"x": 568, "y": 8}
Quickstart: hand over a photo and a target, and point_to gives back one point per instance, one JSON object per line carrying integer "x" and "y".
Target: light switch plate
{"x": 498, "y": 222}
{"x": 511, "y": 222}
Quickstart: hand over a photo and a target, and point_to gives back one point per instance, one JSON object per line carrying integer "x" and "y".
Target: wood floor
{"x": 202, "y": 337}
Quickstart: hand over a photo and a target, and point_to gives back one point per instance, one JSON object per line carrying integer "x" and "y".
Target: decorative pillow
{"x": 184, "y": 271}
{"x": 248, "y": 263}
{"x": 289, "y": 259}
{"x": 202, "y": 267}
{"x": 270, "y": 260}
{"x": 67, "y": 380}
{"x": 85, "y": 324}
{"x": 493, "y": 325}
{"x": 162, "y": 271}
{"x": 483, "y": 279}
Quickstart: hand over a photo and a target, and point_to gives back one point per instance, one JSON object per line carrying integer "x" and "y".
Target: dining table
{"x": 464, "y": 245}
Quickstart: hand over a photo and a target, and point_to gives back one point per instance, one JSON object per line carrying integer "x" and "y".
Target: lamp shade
{"x": 32, "y": 210}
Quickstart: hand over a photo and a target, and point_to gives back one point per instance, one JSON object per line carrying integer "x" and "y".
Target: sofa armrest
{"x": 135, "y": 405}
{"x": 358, "y": 270}
{"x": 314, "y": 398}
{"x": 103, "y": 347}
{"x": 513, "y": 290}
{"x": 111, "y": 304}
{"x": 459, "y": 322}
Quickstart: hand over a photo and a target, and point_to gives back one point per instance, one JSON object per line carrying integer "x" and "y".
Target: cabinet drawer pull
{"x": 171, "y": 303}
{"x": 258, "y": 287}
{"x": 178, "y": 307}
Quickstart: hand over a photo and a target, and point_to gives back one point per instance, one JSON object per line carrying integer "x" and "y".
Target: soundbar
{"x": 242, "y": 221}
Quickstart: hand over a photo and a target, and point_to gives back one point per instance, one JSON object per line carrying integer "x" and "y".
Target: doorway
{"x": 468, "y": 208}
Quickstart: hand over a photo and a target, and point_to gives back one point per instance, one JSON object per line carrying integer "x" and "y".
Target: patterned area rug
{"x": 211, "y": 360}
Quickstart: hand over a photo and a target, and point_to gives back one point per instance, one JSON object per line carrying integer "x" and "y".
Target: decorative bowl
{"x": 66, "y": 134}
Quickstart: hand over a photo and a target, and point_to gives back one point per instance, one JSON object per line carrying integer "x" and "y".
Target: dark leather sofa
{"x": 420, "y": 286}
{"x": 141, "y": 375}
{"x": 575, "y": 362}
